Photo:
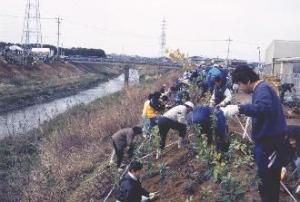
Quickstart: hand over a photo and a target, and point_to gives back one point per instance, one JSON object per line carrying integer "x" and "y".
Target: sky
{"x": 133, "y": 27}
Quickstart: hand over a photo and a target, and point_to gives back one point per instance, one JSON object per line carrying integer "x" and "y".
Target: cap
{"x": 190, "y": 104}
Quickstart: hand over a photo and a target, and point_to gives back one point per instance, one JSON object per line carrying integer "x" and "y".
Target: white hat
{"x": 190, "y": 104}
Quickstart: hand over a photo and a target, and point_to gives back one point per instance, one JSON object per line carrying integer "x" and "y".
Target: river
{"x": 21, "y": 121}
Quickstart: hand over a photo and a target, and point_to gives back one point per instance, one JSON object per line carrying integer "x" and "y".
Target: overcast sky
{"x": 197, "y": 27}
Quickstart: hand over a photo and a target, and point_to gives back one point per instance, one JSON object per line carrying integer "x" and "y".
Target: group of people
{"x": 161, "y": 109}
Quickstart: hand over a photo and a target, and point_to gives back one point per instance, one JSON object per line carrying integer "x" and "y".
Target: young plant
{"x": 220, "y": 167}
{"x": 151, "y": 147}
{"x": 162, "y": 171}
{"x": 231, "y": 190}
{"x": 206, "y": 193}
{"x": 190, "y": 199}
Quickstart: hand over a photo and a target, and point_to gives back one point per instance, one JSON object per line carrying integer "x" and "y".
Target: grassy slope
{"x": 68, "y": 151}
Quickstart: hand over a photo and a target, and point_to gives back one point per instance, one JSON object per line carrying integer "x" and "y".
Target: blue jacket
{"x": 211, "y": 75}
{"x": 201, "y": 115}
{"x": 266, "y": 111}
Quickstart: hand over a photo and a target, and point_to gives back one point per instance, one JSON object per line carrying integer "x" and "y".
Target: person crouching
{"x": 121, "y": 139}
{"x": 175, "y": 118}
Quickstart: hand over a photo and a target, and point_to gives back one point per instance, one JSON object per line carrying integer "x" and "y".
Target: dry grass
{"x": 77, "y": 144}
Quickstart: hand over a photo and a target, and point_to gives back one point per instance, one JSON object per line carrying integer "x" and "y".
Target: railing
{"x": 131, "y": 61}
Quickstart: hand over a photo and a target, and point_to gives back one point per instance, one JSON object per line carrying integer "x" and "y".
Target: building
{"x": 42, "y": 52}
{"x": 282, "y": 58}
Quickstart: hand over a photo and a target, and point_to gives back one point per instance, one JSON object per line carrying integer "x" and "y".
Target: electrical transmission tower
{"x": 32, "y": 24}
{"x": 163, "y": 37}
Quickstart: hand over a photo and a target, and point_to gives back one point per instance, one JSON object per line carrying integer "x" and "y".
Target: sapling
{"x": 231, "y": 190}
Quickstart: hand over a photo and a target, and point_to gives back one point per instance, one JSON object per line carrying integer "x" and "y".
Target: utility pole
{"x": 259, "y": 60}
{"x": 58, "y": 35}
{"x": 163, "y": 37}
{"x": 228, "y": 49}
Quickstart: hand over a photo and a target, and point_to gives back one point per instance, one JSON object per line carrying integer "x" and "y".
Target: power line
{"x": 16, "y": 16}
{"x": 110, "y": 31}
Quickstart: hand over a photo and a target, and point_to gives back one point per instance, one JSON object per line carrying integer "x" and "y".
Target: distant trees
{"x": 84, "y": 52}
{"x": 67, "y": 51}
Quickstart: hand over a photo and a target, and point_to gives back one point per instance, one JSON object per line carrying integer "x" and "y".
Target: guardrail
{"x": 113, "y": 61}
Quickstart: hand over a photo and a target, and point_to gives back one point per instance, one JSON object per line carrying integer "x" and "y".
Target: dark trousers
{"x": 119, "y": 154}
{"x": 153, "y": 122}
{"x": 268, "y": 173}
{"x": 164, "y": 125}
{"x": 270, "y": 185}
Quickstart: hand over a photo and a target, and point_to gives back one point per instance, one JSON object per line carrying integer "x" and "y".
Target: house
{"x": 282, "y": 59}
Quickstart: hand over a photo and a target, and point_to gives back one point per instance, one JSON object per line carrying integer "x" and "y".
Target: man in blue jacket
{"x": 268, "y": 129}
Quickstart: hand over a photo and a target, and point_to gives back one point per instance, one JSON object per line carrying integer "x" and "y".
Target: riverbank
{"x": 25, "y": 86}
{"x": 56, "y": 161}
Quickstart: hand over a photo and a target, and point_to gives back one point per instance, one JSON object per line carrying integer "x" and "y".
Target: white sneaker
{"x": 180, "y": 143}
{"x": 158, "y": 154}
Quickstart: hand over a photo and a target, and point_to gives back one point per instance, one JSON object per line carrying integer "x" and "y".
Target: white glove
{"x": 222, "y": 104}
{"x": 151, "y": 196}
{"x": 230, "y": 110}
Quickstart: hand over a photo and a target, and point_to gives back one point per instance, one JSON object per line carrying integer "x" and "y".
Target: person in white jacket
{"x": 174, "y": 118}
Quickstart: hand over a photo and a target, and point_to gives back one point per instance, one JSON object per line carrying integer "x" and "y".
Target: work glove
{"x": 230, "y": 110}
{"x": 152, "y": 196}
{"x": 222, "y": 104}
{"x": 130, "y": 151}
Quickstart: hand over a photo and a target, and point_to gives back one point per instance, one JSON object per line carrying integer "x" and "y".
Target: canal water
{"x": 21, "y": 121}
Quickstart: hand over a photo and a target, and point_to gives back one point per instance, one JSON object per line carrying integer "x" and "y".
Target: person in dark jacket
{"x": 202, "y": 116}
{"x": 268, "y": 129}
{"x": 122, "y": 139}
{"x": 130, "y": 187}
{"x": 156, "y": 105}
{"x": 221, "y": 95}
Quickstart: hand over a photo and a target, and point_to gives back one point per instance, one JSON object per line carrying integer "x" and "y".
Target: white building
{"x": 43, "y": 52}
{"x": 282, "y": 58}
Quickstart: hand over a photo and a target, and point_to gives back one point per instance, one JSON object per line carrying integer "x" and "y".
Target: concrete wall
{"x": 282, "y": 49}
